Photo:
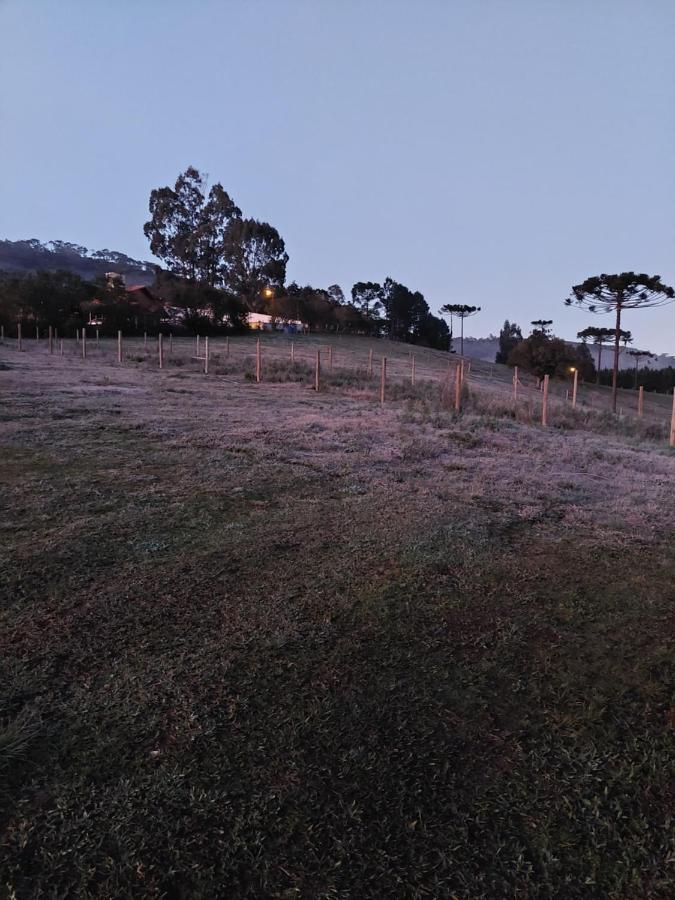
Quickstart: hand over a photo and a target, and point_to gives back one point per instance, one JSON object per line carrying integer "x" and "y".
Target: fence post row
{"x": 462, "y": 369}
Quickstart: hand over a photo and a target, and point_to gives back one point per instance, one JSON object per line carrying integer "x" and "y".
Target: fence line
{"x": 399, "y": 368}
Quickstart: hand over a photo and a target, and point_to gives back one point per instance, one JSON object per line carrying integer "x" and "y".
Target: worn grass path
{"x": 256, "y": 642}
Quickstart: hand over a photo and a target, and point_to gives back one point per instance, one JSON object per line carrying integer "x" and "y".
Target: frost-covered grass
{"x": 259, "y": 642}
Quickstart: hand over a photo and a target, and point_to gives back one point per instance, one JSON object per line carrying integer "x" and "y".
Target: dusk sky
{"x": 491, "y": 153}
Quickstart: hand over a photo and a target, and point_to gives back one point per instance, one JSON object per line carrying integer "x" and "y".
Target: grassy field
{"x": 258, "y": 642}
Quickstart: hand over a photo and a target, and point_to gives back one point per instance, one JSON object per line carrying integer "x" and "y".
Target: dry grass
{"x": 284, "y": 644}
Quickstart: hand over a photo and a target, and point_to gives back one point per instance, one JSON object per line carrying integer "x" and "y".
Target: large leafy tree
{"x": 616, "y": 293}
{"x": 542, "y": 354}
{"x": 404, "y": 310}
{"x": 460, "y": 311}
{"x": 188, "y": 227}
{"x": 509, "y": 337}
{"x": 254, "y": 260}
{"x": 367, "y": 296}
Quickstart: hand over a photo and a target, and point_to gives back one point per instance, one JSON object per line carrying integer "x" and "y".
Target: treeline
{"x": 67, "y": 302}
{"x": 218, "y": 267}
{"x": 659, "y": 380}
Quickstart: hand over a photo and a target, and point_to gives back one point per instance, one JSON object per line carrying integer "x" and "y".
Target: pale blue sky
{"x": 493, "y": 153}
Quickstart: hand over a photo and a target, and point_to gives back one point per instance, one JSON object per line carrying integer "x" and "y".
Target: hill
{"x": 21, "y": 257}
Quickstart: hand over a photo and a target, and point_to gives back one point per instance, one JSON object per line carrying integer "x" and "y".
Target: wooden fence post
{"x": 84, "y": 344}
{"x": 293, "y": 352}
{"x": 317, "y": 373}
{"x": 412, "y": 370}
{"x": 370, "y": 363}
{"x": 206, "y": 356}
{"x": 458, "y": 388}
{"x": 672, "y": 423}
{"x": 574, "y": 388}
{"x": 37, "y": 334}
{"x": 544, "y": 403}
{"x": 330, "y": 357}
{"x": 119, "y": 346}
{"x": 61, "y": 347}
{"x": 77, "y": 335}
{"x": 383, "y": 379}
{"x": 258, "y": 367}
{"x": 18, "y": 337}
{"x": 641, "y": 400}
{"x": 2, "y": 333}
{"x": 145, "y": 340}
{"x": 171, "y": 343}
{"x": 515, "y": 384}
{"x": 197, "y": 345}
{"x": 160, "y": 351}
{"x": 50, "y": 338}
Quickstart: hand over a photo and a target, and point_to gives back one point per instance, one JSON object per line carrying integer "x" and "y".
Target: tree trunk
{"x": 597, "y": 376}
{"x": 461, "y": 339}
{"x": 617, "y": 339}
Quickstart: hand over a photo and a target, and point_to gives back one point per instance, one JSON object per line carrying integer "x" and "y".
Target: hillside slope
{"x": 31, "y": 255}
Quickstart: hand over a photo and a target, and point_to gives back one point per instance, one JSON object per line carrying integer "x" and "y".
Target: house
{"x": 142, "y": 301}
{"x": 262, "y": 322}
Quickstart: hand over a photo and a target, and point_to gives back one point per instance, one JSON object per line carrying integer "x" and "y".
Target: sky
{"x": 490, "y": 152}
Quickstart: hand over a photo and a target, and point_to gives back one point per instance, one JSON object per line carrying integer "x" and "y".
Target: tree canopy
{"x": 542, "y": 354}
{"x": 461, "y": 311}
{"x": 188, "y": 227}
{"x": 509, "y": 337}
{"x": 616, "y": 293}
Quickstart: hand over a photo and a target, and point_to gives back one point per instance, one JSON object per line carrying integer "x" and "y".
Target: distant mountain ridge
{"x": 21, "y": 257}
{"x": 486, "y": 349}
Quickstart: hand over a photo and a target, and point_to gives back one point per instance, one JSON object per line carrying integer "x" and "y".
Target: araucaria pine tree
{"x": 462, "y": 311}
{"x": 616, "y": 293}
